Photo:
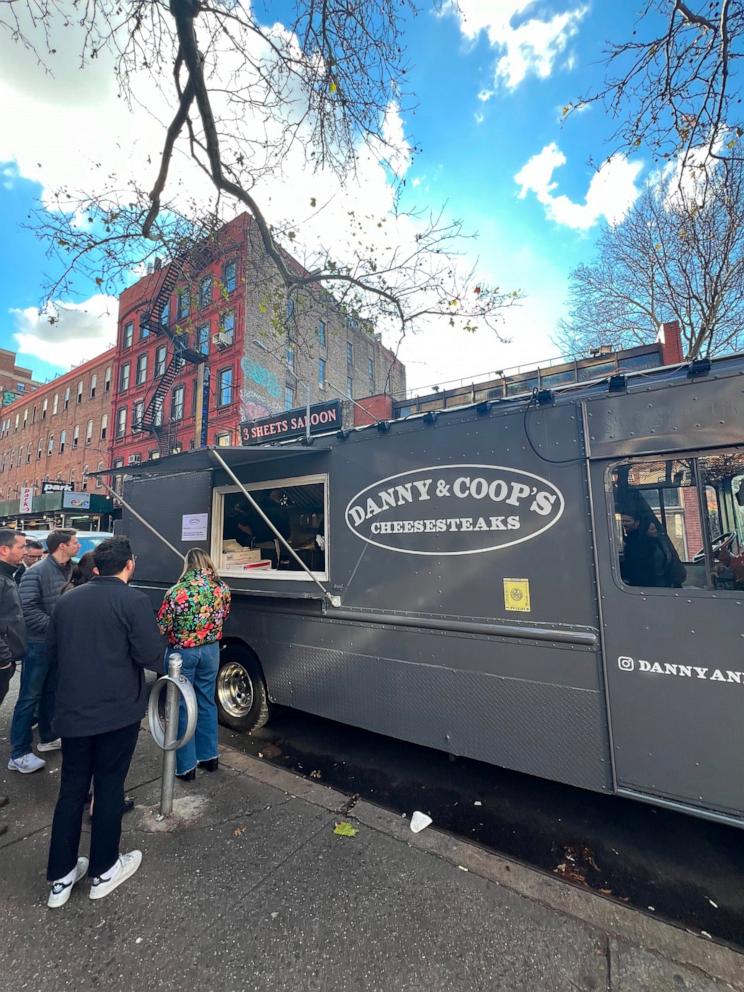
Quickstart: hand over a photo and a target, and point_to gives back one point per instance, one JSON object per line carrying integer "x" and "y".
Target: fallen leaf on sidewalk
{"x": 316, "y": 774}
{"x": 239, "y": 831}
{"x": 345, "y": 829}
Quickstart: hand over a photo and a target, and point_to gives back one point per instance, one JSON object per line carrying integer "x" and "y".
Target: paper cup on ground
{"x": 419, "y": 821}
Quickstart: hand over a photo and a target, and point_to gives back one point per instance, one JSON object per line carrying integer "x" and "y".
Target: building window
{"x": 106, "y": 381}
{"x": 93, "y": 384}
{"x": 229, "y": 274}
{"x": 89, "y": 432}
{"x": 50, "y": 446}
{"x": 128, "y": 334}
{"x": 349, "y": 386}
{"x": 84, "y": 478}
{"x": 321, "y": 372}
{"x": 160, "y": 361}
{"x": 349, "y": 353}
{"x": 205, "y": 292}
{"x": 223, "y": 440}
{"x": 154, "y": 455}
{"x": 321, "y": 333}
{"x": 33, "y": 415}
{"x": 144, "y": 331}
{"x": 184, "y": 303}
{"x": 55, "y": 408}
{"x": 226, "y": 334}
{"x": 123, "y": 378}
{"x": 134, "y": 459}
{"x": 104, "y": 426}
{"x": 62, "y": 442}
{"x": 289, "y": 397}
{"x": 137, "y": 413}
{"x": 99, "y": 468}
{"x": 38, "y": 451}
{"x": 165, "y": 314}
{"x": 225, "y": 387}
{"x": 202, "y": 339}
{"x": 290, "y": 356}
{"x": 75, "y": 436}
{"x": 177, "y": 403}
{"x": 142, "y": 369}
{"x": 80, "y": 392}
{"x": 25, "y": 418}
{"x": 371, "y": 374}
{"x": 44, "y": 410}
{"x": 157, "y": 412}
{"x": 176, "y": 448}
{"x": 121, "y": 422}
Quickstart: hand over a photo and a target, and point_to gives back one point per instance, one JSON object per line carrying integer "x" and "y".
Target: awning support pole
{"x": 332, "y": 600}
{"x": 140, "y": 518}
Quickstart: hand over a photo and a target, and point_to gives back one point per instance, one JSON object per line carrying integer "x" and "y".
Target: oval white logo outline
{"x": 439, "y": 468}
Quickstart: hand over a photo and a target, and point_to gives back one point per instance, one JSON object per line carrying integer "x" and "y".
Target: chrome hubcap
{"x": 235, "y": 690}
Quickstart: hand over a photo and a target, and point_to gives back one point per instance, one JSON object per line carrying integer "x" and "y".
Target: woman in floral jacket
{"x": 191, "y": 617}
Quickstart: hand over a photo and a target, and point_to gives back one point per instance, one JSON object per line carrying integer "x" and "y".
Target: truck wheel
{"x": 242, "y": 700}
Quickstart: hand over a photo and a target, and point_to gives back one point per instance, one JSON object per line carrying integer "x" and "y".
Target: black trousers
{"x": 104, "y": 758}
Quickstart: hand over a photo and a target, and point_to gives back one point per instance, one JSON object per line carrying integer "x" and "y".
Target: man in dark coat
{"x": 102, "y": 636}
{"x": 40, "y": 588}
{"x": 12, "y": 627}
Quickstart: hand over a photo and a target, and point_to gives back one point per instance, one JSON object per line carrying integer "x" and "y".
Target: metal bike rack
{"x": 165, "y": 734}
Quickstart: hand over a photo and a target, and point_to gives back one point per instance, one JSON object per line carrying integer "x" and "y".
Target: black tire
{"x": 240, "y": 693}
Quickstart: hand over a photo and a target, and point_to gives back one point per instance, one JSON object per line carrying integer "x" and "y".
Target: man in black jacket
{"x": 102, "y": 636}
{"x": 12, "y": 627}
{"x": 40, "y": 588}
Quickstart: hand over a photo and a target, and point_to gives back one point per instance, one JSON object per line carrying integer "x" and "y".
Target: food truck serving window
{"x": 679, "y": 523}
{"x": 245, "y": 544}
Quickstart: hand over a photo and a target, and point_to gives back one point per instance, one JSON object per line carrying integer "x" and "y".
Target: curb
{"x": 631, "y": 926}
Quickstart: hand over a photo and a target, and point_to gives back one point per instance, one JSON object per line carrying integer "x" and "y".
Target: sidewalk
{"x": 250, "y": 889}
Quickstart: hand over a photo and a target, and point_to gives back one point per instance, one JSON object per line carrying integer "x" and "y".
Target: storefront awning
{"x": 200, "y": 459}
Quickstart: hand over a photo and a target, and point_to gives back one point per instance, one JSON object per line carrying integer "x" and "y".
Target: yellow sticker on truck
{"x": 517, "y": 595}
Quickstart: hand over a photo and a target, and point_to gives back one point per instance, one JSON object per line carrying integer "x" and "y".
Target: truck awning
{"x": 200, "y": 459}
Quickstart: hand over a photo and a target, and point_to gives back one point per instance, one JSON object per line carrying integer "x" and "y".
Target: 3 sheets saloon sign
{"x": 291, "y": 423}
{"x": 454, "y": 510}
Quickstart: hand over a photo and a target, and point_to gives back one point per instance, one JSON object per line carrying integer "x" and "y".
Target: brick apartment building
{"x": 60, "y": 432}
{"x": 226, "y": 319}
{"x": 15, "y": 381}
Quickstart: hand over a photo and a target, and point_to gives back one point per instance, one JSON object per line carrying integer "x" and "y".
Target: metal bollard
{"x": 166, "y": 736}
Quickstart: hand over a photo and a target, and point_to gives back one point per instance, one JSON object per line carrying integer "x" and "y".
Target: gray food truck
{"x": 553, "y": 583}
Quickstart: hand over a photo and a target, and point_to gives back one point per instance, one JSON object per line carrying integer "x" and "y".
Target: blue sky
{"x": 489, "y": 83}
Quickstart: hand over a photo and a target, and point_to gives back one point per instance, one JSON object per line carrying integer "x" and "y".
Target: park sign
{"x": 57, "y": 487}
{"x": 292, "y": 423}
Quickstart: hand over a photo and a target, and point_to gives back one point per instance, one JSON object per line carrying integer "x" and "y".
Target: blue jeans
{"x": 200, "y": 667}
{"x": 38, "y": 678}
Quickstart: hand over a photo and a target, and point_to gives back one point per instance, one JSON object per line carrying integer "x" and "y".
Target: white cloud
{"x": 528, "y": 44}
{"x": 79, "y": 331}
{"x": 478, "y": 117}
{"x": 612, "y": 189}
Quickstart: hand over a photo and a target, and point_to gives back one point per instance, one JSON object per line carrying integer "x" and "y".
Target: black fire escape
{"x": 153, "y": 417}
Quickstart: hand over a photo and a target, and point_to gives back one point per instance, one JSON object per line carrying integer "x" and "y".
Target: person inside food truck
{"x": 644, "y": 562}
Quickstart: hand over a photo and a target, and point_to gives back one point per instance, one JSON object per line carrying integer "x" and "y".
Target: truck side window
{"x": 658, "y": 524}
{"x": 250, "y": 546}
{"x": 722, "y": 476}
{"x": 667, "y": 536}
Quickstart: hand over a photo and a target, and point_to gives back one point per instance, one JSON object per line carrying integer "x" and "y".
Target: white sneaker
{"x": 61, "y": 890}
{"x": 50, "y": 745}
{"x": 124, "y": 868}
{"x": 26, "y": 764}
